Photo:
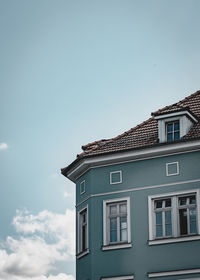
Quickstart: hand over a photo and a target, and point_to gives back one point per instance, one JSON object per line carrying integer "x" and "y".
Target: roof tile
{"x": 146, "y": 133}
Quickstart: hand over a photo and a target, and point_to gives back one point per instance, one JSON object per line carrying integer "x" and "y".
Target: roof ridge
{"x": 188, "y": 97}
{"x": 179, "y": 103}
{"x": 94, "y": 146}
{"x": 165, "y": 108}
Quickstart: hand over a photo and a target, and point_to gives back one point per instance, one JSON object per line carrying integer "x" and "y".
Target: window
{"x": 83, "y": 230}
{"x": 163, "y": 218}
{"x": 82, "y": 187}
{"x": 187, "y": 213}
{"x": 116, "y": 222}
{"x": 173, "y": 126}
{"x": 116, "y": 177}
{"x": 174, "y": 215}
{"x": 172, "y": 131}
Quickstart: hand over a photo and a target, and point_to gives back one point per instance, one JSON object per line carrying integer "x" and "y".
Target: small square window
{"x": 116, "y": 177}
{"x": 82, "y": 187}
{"x": 172, "y": 168}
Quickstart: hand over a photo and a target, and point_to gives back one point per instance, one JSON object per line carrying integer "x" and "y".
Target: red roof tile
{"x": 146, "y": 133}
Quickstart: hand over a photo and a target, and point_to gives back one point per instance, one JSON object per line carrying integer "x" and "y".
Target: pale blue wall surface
{"x": 141, "y": 258}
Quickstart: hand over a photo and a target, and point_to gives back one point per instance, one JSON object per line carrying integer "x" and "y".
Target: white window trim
{"x": 116, "y": 246}
{"x": 83, "y": 182}
{"x": 174, "y": 273}
{"x": 190, "y": 278}
{"x": 176, "y": 114}
{"x": 185, "y": 124}
{"x": 120, "y": 176}
{"x": 176, "y": 238}
{"x": 177, "y": 168}
{"x": 106, "y": 245}
{"x": 129, "y": 277}
{"x": 82, "y": 253}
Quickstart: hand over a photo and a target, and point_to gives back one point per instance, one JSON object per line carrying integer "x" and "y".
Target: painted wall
{"x": 140, "y": 179}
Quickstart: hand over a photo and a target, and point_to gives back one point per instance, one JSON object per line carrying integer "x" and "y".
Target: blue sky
{"x": 72, "y": 72}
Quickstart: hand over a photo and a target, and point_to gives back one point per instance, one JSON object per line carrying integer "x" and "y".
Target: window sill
{"x": 116, "y": 246}
{"x": 82, "y": 254}
{"x": 174, "y": 240}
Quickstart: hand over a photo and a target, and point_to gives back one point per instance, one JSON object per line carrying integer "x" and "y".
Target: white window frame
{"x": 117, "y": 245}
{"x": 128, "y": 277}
{"x": 177, "y": 168}
{"x": 120, "y": 176}
{"x": 186, "y": 121}
{"x": 174, "y": 273}
{"x": 82, "y": 252}
{"x": 173, "y": 129}
{"x": 82, "y": 183}
{"x": 176, "y": 237}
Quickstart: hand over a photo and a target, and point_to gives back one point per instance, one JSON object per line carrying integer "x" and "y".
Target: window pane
{"x": 123, "y": 229}
{"x": 192, "y": 199}
{"x": 113, "y": 209}
{"x": 183, "y": 221}
{"x": 168, "y": 229}
{"x": 113, "y": 224}
{"x": 159, "y": 218}
{"x": 193, "y": 214}
{"x": 123, "y": 223}
{"x": 84, "y": 237}
{"x": 169, "y": 137}
{"x": 113, "y": 236}
{"x": 168, "y": 202}
{"x": 122, "y": 208}
{"x": 168, "y": 217}
{"x": 176, "y": 126}
{"x": 169, "y": 127}
{"x": 84, "y": 217}
{"x": 123, "y": 235}
{"x": 113, "y": 230}
{"x": 193, "y": 228}
{"x": 159, "y": 231}
{"x": 158, "y": 204}
{"x": 182, "y": 200}
{"x": 176, "y": 135}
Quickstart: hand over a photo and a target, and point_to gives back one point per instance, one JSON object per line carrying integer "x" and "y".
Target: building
{"x": 138, "y": 199}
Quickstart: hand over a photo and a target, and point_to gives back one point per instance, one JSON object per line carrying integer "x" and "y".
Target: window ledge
{"x": 174, "y": 240}
{"x": 82, "y": 254}
{"x": 116, "y": 246}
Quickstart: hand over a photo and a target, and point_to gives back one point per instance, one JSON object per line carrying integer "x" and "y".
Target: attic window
{"x": 173, "y": 131}
{"x": 173, "y": 126}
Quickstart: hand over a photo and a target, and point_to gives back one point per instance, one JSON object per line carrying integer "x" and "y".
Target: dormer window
{"x": 172, "y": 126}
{"x": 173, "y": 131}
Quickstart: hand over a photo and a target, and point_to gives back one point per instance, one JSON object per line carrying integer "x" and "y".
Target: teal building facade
{"x": 138, "y": 199}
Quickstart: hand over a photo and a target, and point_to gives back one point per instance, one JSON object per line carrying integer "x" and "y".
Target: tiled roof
{"x": 146, "y": 133}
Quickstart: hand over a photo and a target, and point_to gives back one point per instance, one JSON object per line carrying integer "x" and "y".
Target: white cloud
{"x": 3, "y": 146}
{"x": 66, "y": 194}
{"x": 44, "y": 239}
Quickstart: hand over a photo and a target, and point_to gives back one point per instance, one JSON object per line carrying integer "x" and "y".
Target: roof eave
{"x": 79, "y": 166}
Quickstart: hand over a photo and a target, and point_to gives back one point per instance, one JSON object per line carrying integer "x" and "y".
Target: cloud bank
{"x": 44, "y": 239}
